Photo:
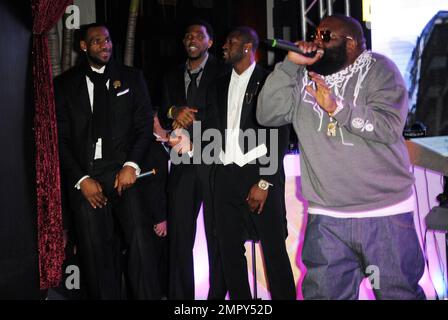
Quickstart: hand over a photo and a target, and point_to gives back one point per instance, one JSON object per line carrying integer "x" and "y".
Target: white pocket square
{"x": 122, "y": 92}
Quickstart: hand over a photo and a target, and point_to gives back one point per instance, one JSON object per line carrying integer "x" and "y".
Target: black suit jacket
{"x": 217, "y": 103}
{"x": 216, "y": 118}
{"x": 174, "y": 89}
{"x": 130, "y": 120}
{"x": 153, "y": 189}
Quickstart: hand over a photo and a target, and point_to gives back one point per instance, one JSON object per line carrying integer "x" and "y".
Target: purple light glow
{"x": 295, "y": 206}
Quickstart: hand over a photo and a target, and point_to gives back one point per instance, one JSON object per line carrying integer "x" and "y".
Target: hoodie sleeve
{"x": 280, "y": 95}
{"x": 383, "y": 115}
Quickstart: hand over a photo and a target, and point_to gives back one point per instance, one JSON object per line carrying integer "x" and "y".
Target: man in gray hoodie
{"x": 348, "y": 107}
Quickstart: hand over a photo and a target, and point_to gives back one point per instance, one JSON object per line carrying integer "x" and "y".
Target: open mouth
{"x": 193, "y": 48}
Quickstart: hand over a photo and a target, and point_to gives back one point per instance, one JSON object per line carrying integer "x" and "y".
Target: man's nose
{"x": 105, "y": 44}
{"x": 318, "y": 41}
{"x": 194, "y": 38}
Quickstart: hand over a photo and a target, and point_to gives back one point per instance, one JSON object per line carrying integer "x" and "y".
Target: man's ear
{"x": 210, "y": 43}
{"x": 352, "y": 44}
{"x": 83, "y": 45}
{"x": 248, "y": 47}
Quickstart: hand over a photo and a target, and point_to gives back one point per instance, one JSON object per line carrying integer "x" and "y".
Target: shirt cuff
{"x": 191, "y": 153}
{"x": 78, "y": 185}
{"x": 133, "y": 165}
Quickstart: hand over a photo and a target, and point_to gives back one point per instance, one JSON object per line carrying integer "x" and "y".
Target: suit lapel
{"x": 250, "y": 97}
{"x": 223, "y": 92}
{"x": 179, "y": 85}
{"x": 116, "y": 84}
{"x": 83, "y": 94}
{"x": 249, "y": 101}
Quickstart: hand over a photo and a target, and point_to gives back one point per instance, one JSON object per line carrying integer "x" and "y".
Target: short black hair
{"x": 200, "y": 22}
{"x": 84, "y": 29}
{"x": 248, "y": 34}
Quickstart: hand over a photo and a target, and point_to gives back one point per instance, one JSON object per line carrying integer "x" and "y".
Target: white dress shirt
{"x": 237, "y": 90}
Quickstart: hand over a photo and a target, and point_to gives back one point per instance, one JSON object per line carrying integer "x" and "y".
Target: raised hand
{"x": 323, "y": 95}
{"x": 184, "y": 117}
{"x": 305, "y": 47}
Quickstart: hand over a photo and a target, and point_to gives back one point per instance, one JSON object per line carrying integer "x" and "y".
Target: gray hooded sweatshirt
{"x": 366, "y": 165}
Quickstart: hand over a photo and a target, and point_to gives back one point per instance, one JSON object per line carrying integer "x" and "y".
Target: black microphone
{"x": 289, "y": 46}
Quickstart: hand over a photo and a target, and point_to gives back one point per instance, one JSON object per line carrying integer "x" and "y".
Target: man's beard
{"x": 333, "y": 60}
{"x": 234, "y": 58}
{"x": 200, "y": 55}
{"x": 98, "y": 61}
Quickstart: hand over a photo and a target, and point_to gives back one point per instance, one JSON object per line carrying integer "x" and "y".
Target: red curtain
{"x": 46, "y": 14}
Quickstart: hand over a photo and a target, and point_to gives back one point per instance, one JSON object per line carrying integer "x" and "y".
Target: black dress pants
{"x": 234, "y": 224}
{"x": 188, "y": 187}
{"x": 104, "y": 233}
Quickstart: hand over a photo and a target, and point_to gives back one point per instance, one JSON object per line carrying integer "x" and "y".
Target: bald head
{"x": 347, "y": 26}
{"x": 248, "y": 35}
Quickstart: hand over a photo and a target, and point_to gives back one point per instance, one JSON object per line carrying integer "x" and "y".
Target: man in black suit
{"x": 153, "y": 193}
{"x": 248, "y": 194}
{"x": 105, "y": 127}
{"x": 184, "y": 95}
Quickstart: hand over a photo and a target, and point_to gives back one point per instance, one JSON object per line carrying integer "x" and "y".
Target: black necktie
{"x": 192, "y": 88}
{"x": 100, "y": 109}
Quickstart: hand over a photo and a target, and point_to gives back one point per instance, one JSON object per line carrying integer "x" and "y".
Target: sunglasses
{"x": 327, "y": 36}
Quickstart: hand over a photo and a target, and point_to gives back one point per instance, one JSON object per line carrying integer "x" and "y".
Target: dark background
{"x": 18, "y": 218}
{"x": 160, "y": 28}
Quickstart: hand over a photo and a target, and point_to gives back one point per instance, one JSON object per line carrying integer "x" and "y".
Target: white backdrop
{"x": 396, "y": 25}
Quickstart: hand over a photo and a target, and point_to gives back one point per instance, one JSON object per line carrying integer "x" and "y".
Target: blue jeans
{"x": 340, "y": 253}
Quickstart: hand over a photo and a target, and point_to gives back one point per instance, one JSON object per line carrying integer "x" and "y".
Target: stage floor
{"x": 428, "y": 185}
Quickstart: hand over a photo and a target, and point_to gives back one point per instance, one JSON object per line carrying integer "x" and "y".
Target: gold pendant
{"x": 117, "y": 84}
{"x": 331, "y": 129}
